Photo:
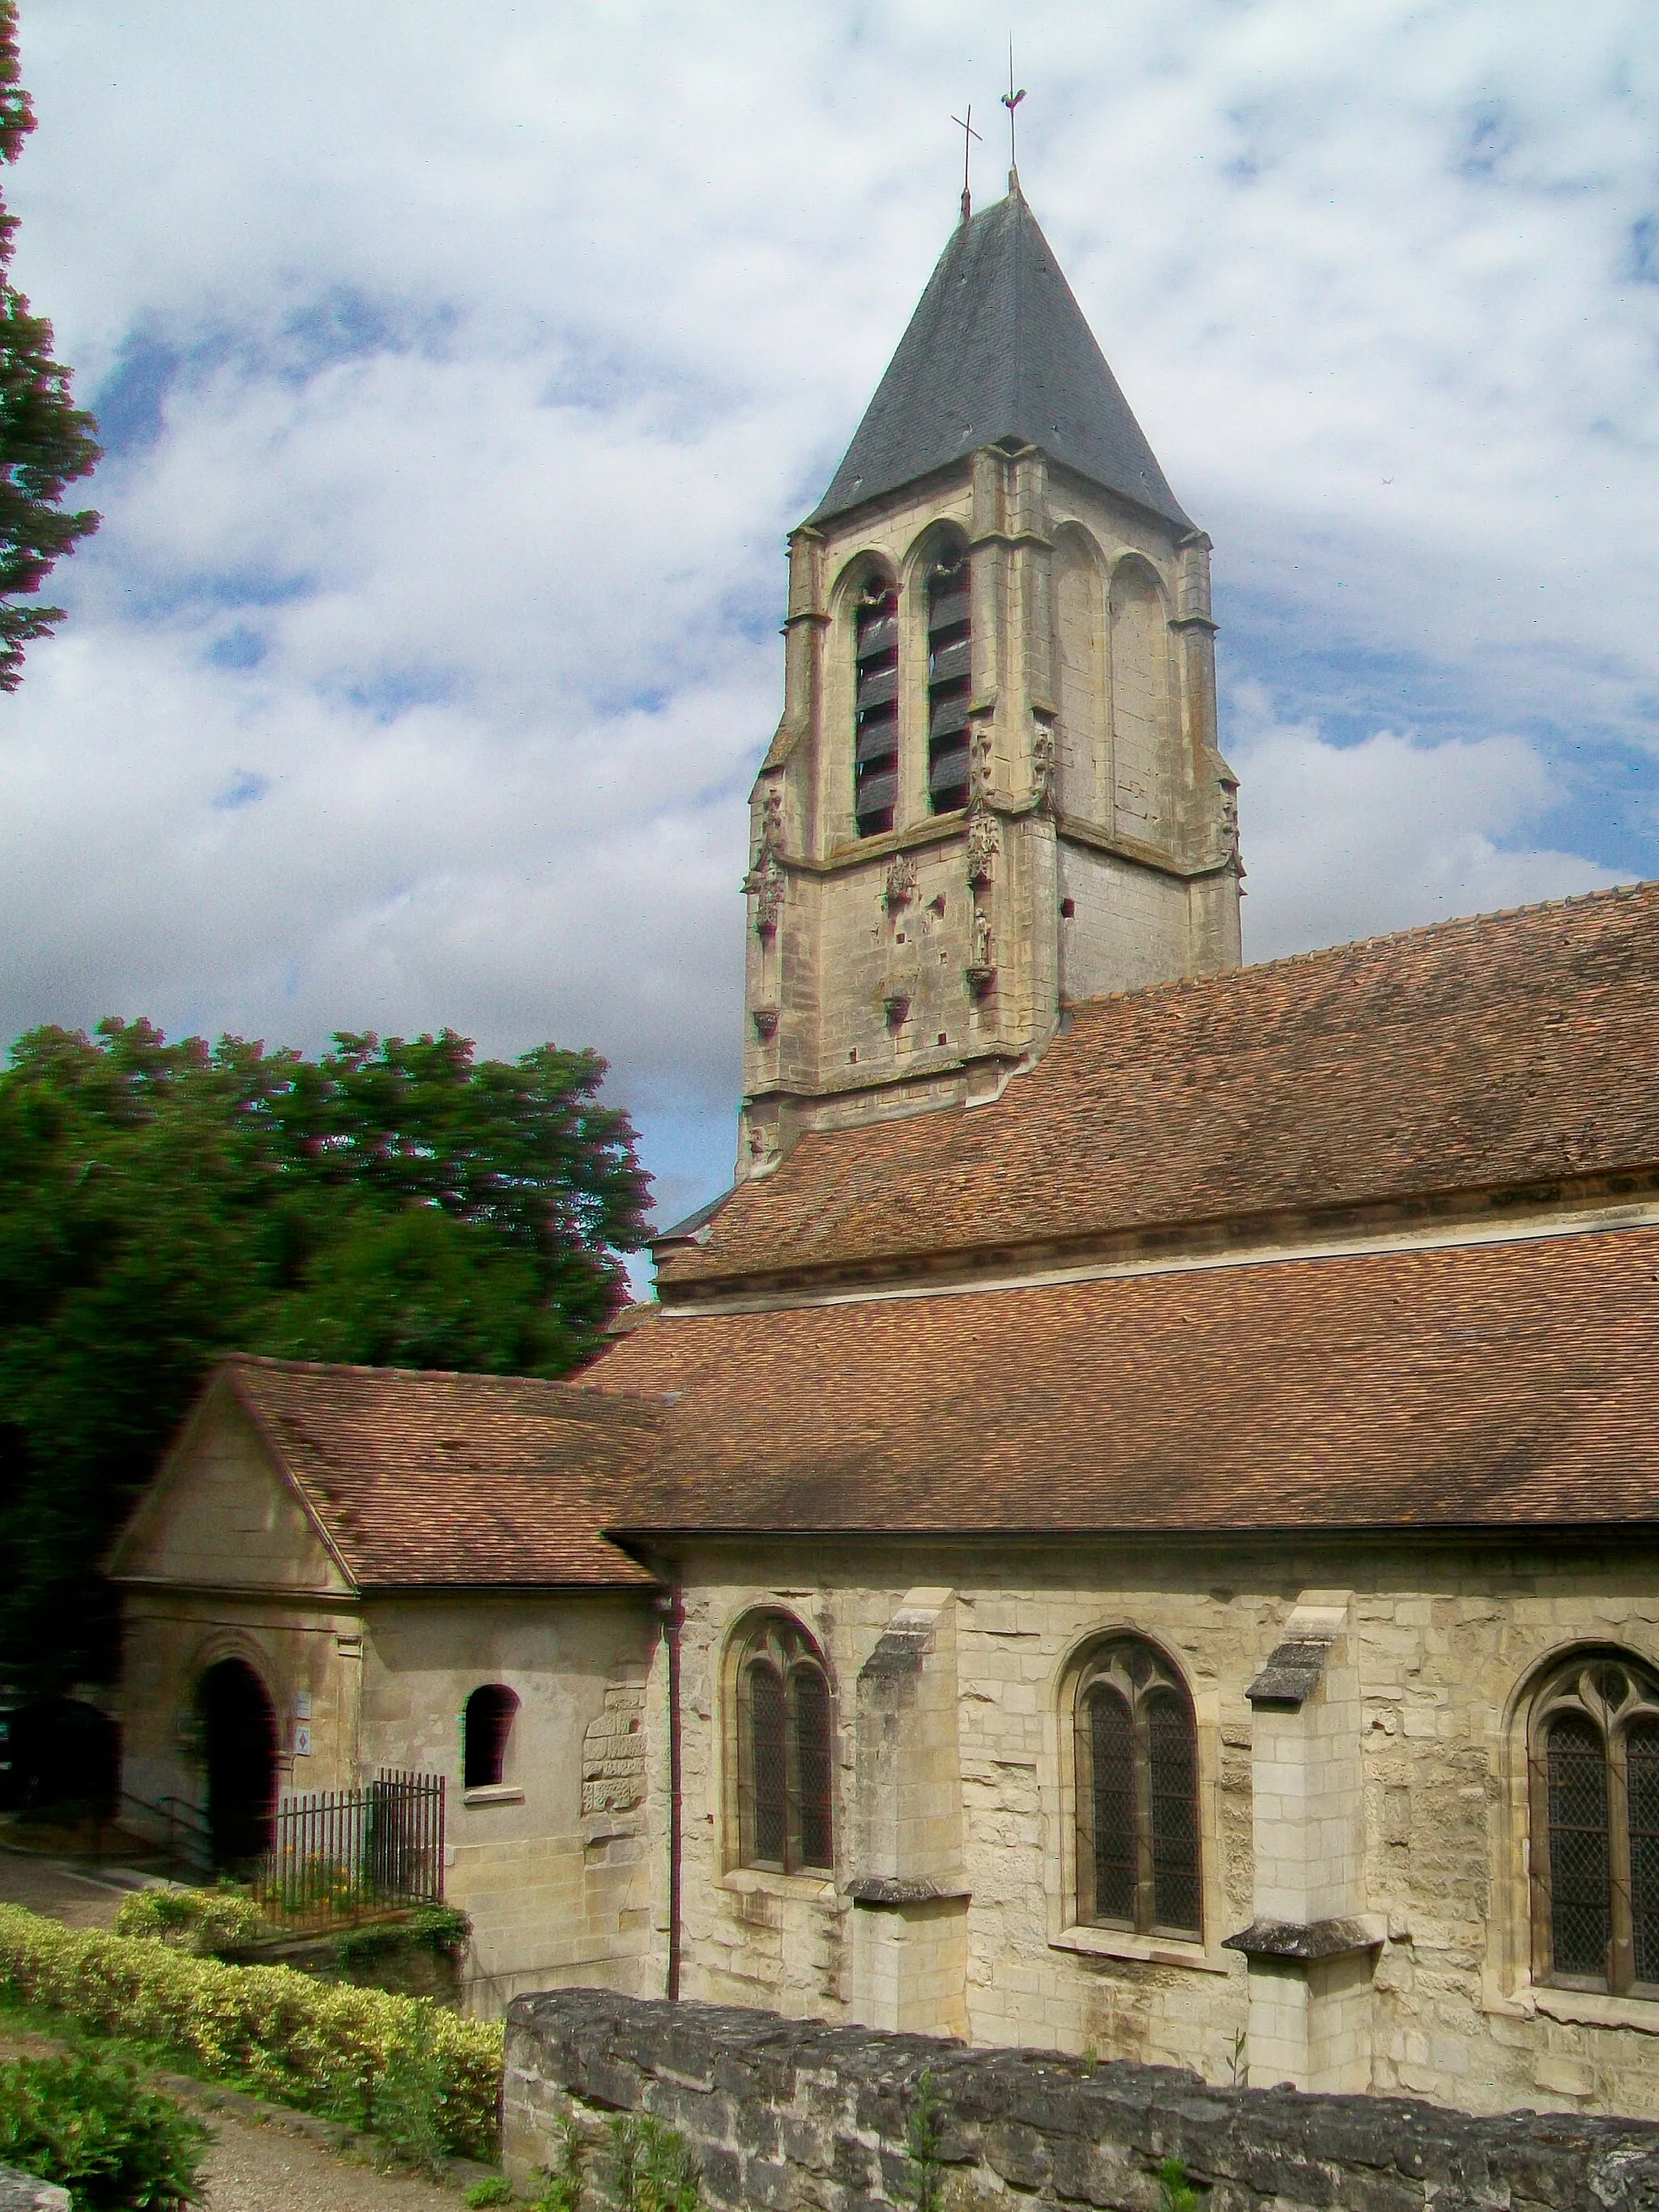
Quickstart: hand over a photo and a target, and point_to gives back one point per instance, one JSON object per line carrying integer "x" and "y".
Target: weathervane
{"x": 1011, "y": 101}
{"x": 965, "y": 124}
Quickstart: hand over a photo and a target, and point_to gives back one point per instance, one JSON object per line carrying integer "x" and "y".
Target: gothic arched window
{"x": 875, "y": 750}
{"x": 949, "y": 654}
{"x": 785, "y": 1754}
{"x": 1137, "y": 1794}
{"x": 1592, "y": 1761}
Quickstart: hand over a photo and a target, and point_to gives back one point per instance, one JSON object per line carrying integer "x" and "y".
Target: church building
{"x": 1133, "y": 1526}
{"x": 1159, "y": 1459}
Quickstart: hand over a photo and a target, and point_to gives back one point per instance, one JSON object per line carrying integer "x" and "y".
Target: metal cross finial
{"x": 965, "y": 124}
{"x": 1011, "y": 101}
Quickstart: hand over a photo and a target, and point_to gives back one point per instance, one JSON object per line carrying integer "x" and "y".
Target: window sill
{"x": 1592, "y": 2008}
{"x": 747, "y": 1880}
{"x": 1155, "y": 1950}
{"x": 493, "y": 1793}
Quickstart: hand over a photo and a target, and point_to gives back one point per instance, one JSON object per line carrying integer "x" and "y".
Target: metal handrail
{"x": 186, "y": 1826}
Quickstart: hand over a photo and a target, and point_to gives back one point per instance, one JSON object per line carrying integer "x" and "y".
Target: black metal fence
{"x": 338, "y": 1855}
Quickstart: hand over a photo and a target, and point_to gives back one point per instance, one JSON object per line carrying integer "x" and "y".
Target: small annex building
{"x": 343, "y": 1571}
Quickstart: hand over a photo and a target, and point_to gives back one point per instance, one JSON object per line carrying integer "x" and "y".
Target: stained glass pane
{"x": 767, "y": 1767}
{"x": 1580, "y": 1880}
{"x": 813, "y": 1767}
{"x": 1114, "y": 1856}
{"x": 1173, "y": 1764}
{"x": 1641, "y": 1770}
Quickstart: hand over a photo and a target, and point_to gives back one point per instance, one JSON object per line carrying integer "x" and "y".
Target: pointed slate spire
{"x": 997, "y": 349}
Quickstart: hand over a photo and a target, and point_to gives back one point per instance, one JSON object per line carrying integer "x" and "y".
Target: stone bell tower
{"x": 996, "y": 787}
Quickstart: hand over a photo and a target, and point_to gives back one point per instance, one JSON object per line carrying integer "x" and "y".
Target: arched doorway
{"x": 239, "y": 1729}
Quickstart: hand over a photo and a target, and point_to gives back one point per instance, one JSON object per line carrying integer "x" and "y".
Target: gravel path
{"x": 47, "y": 1885}
{"x": 268, "y": 2170}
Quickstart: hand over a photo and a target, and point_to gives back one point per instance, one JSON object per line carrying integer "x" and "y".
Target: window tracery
{"x": 1593, "y": 1764}
{"x": 785, "y": 1750}
{"x": 1136, "y": 1747}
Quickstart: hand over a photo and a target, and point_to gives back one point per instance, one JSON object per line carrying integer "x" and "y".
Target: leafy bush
{"x": 206, "y": 1923}
{"x": 441, "y": 1929}
{"x": 495, "y": 2189}
{"x": 362, "y": 1947}
{"x": 93, "y": 2128}
{"x": 1176, "y": 2192}
{"x": 655, "y": 2169}
{"x": 326, "y": 2047}
{"x": 563, "y": 2181}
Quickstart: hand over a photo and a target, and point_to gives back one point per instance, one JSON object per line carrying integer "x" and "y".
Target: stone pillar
{"x": 909, "y": 1899}
{"x": 1311, "y": 1946}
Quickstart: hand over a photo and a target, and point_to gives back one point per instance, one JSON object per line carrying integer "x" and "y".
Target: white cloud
{"x": 471, "y": 365}
{"x": 1353, "y": 840}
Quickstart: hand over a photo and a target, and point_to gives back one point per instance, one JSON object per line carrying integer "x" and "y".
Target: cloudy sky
{"x": 462, "y": 366}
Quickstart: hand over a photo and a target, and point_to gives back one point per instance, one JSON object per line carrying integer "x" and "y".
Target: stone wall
{"x": 788, "y": 2115}
{"x": 1410, "y": 1746}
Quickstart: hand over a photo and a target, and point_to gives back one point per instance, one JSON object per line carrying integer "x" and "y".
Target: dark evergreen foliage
{"x": 395, "y": 1203}
{"x": 45, "y": 440}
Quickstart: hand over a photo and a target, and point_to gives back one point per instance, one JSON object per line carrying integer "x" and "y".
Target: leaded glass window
{"x": 1137, "y": 1794}
{"x": 785, "y": 1752}
{"x": 1594, "y": 1764}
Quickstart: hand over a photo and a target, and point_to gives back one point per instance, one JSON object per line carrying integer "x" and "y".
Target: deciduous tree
{"x": 46, "y": 442}
{"x": 398, "y": 1202}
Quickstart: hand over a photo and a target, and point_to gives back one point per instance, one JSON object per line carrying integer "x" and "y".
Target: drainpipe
{"x": 672, "y": 1605}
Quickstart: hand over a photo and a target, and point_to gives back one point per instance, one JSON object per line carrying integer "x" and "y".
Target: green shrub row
{"x": 402, "y": 2066}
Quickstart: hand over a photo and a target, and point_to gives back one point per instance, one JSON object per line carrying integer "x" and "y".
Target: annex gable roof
{"x": 1508, "y": 1050}
{"x": 421, "y": 1479}
{"x": 1499, "y": 1385}
{"x": 998, "y": 350}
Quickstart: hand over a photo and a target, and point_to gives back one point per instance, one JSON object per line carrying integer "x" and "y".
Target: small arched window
{"x": 1593, "y": 1772}
{"x": 950, "y": 657}
{"x": 875, "y": 753}
{"x": 785, "y": 1759}
{"x": 487, "y": 1726}
{"x": 1137, "y": 1794}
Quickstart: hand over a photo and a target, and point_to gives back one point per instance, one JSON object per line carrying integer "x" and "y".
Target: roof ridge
{"x": 358, "y": 1367}
{"x": 1447, "y": 924}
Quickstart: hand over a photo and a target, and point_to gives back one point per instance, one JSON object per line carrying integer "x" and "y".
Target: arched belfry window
{"x": 1137, "y": 1794}
{"x": 1593, "y": 1758}
{"x": 784, "y": 1760}
{"x": 950, "y": 672}
{"x": 875, "y": 752}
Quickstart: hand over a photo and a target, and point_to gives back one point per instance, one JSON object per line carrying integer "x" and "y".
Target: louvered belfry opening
{"x": 949, "y": 655}
{"x": 784, "y": 1746}
{"x": 1593, "y": 1764}
{"x": 487, "y": 1726}
{"x": 875, "y": 764}
{"x": 1138, "y": 1856}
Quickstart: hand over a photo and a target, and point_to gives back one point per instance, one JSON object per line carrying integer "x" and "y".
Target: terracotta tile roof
{"x": 1503, "y": 1384}
{"x": 429, "y": 1479}
{"x": 1501, "y": 1051}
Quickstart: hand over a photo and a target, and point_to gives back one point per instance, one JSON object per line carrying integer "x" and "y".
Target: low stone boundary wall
{"x": 794, "y": 2116}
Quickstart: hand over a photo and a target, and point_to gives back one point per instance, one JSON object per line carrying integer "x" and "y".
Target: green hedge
{"x": 390, "y": 2063}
